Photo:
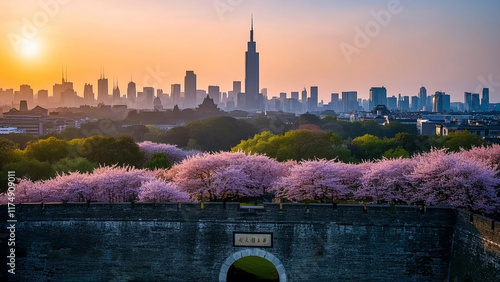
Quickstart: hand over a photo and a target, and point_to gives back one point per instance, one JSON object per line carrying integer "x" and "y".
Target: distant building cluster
{"x": 239, "y": 101}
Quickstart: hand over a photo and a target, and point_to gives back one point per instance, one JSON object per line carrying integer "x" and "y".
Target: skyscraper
{"x": 214, "y": 93}
{"x": 378, "y": 96}
{"x": 58, "y": 89}
{"x": 416, "y": 103}
{"x": 422, "y": 98}
{"x": 475, "y": 102}
{"x": 190, "y": 90}
{"x": 392, "y": 103}
{"x": 252, "y": 75}
{"x": 176, "y": 94}
{"x": 132, "y": 92}
{"x": 438, "y": 102}
{"x": 467, "y": 101}
{"x": 313, "y": 100}
{"x": 349, "y": 101}
{"x": 149, "y": 95}
{"x": 43, "y": 97}
{"x": 116, "y": 92}
{"x": 485, "y": 100}
{"x": 88, "y": 94}
{"x": 102, "y": 89}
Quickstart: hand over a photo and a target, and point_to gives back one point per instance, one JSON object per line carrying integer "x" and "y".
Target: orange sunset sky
{"x": 452, "y": 46}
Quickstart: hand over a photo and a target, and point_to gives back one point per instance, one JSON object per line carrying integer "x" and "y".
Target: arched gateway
{"x": 252, "y": 253}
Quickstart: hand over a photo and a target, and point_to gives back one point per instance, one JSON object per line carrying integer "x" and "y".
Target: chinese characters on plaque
{"x": 249, "y": 239}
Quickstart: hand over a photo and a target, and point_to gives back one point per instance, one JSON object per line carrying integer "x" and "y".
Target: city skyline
{"x": 294, "y": 54}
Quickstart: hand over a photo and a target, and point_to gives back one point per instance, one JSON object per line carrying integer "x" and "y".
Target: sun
{"x": 30, "y": 48}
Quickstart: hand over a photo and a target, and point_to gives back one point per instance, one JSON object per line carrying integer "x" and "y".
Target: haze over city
{"x": 449, "y": 46}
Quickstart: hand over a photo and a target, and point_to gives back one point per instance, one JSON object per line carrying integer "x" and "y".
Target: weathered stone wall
{"x": 171, "y": 242}
{"x": 476, "y": 249}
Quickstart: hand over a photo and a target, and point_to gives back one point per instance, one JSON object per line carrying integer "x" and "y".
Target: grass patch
{"x": 258, "y": 266}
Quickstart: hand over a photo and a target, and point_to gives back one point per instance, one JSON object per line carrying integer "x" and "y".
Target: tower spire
{"x": 251, "y": 31}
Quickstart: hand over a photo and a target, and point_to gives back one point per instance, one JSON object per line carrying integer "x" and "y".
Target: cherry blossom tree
{"x": 455, "y": 180}
{"x": 175, "y": 154}
{"x": 105, "y": 184}
{"x": 488, "y": 154}
{"x": 160, "y": 191}
{"x": 389, "y": 181}
{"x": 224, "y": 175}
{"x": 318, "y": 180}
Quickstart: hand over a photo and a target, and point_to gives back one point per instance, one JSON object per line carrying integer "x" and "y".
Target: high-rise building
{"x": 403, "y": 103}
{"x": 116, "y": 92}
{"x": 378, "y": 96}
{"x": 349, "y": 101}
{"x": 149, "y": 95}
{"x": 43, "y": 97}
{"x": 467, "y": 101}
{"x": 190, "y": 90}
{"x": 88, "y": 94}
{"x": 447, "y": 103}
{"x": 392, "y": 103}
{"x": 176, "y": 94}
{"x": 335, "y": 102}
{"x": 132, "y": 92}
{"x": 475, "y": 102}
{"x": 6, "y": 96}
{"x": 438, "y": 105}
{"x": 58, "y": 89}
{"x": 253, "y": 101}
{"x": 422, "y": 98}
{"x": 485, "y": 100}
{"x": 214, "y": 93}
{"x": 295, "y": 95}
{"x": 236, "y": 87}
{"x": 313, "y": 100}
{"x": 283, "y": 96}
{"x": 415, "y": 103}
{"x": 25, "y": 93}
{"x": 102, "y": 89}
{"x": 304, "y": 96}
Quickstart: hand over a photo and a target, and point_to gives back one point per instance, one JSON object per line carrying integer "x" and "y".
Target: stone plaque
{"x": 252, "y": 239}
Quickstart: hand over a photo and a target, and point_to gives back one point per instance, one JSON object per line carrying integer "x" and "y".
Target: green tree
{"x": 67, "y": 165}
{"x": 158, "y": 160}
{"x": 106, "y": 150}
{"x": 296, "y": 145}
{"x": 32, "y": 169}
{"x": 21, "y": 139}
{"x": 464, "y": 139}
{"x": 176, "y": 136}
{"x": 367, "y": 147}
{"x": 307, "y": 118}
{"x": 220, "y": 133}
{"x": 50, "y": 150}
{"x": 7, "y": 149}
{"x": 396, "y": 153}
{"x": 413, "y": 143}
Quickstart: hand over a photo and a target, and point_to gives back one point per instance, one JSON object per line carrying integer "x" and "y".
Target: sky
{"x": 450, "y": 45}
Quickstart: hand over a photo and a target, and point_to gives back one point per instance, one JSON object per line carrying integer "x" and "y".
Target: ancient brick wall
{"x": 174, "y": 242}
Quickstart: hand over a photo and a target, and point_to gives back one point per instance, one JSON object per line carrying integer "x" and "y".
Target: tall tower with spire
{"x": 253, "y": 102}
{"x": 102, "y": 88}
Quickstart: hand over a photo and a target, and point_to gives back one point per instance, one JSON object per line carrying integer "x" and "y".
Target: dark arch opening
{"x": 252, "y": 268}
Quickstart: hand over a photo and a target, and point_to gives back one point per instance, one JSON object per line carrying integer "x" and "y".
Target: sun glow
{"x": 29, "y": 48}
